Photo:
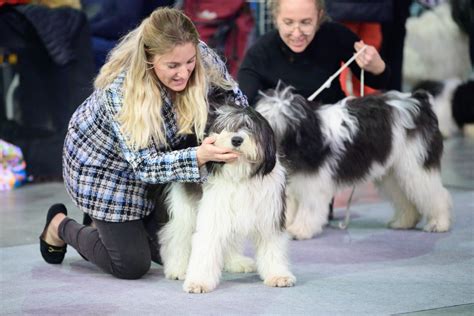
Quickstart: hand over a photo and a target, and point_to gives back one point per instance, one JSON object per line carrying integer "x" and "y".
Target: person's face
{"x": 297, "y": 22}
{"x": 174, "y": 68}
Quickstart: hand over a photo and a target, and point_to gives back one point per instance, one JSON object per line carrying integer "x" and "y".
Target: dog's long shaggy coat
{"x": 208, "y": 224}
{"x": 392, "y": 139}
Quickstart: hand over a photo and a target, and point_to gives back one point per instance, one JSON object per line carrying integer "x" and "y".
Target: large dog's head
{"x": 246, "y": 131}
{"x": 285, "y": 110}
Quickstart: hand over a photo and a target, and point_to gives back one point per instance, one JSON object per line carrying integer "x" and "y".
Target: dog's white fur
{"x": 414, "y": 190}
{"x": 435, "y": 48}
{"x": 207, "y": 230}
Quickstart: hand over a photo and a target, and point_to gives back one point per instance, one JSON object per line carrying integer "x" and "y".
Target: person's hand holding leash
{"x": 370, "y": 59}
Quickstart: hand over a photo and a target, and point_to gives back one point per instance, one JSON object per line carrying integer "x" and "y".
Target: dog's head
{"x": 246, "y": 131}
{"x": 283, "y": 108}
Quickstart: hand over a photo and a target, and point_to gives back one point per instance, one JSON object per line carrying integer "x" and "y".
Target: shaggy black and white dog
{"x": 209, "y": 223}
{"x": 453, "y": 103}
{"x": 392, "y": 139}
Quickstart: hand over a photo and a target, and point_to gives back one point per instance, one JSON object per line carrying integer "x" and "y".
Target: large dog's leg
{"x": 213, "y": 229}
{"x": 175, "y": 236}
{"x": 424, "y": 188}
{"x": 406, "y": 216}
{"x": 432, "y": 200}
{"x": 313, "y": 194}
{"x": 236, "y": 262}
{"x": 272, "y": 260}
{"x": 291, "y": 208}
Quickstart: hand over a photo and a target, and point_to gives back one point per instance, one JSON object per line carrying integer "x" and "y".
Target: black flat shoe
{"x": 52, "y": 254}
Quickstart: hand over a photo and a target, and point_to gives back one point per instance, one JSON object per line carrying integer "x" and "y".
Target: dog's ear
{"x": 266, "y": 141}
{"x": 270, "y": 156}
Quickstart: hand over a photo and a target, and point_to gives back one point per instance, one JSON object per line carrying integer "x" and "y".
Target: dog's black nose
{"x": 237, "y": 141}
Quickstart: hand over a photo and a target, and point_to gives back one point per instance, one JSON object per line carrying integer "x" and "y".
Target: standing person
{"x": 125, "y": 137}
{"x": 304, "y": 51}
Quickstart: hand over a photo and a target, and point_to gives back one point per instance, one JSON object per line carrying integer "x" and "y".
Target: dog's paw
{"x": 197, "y": 288}
{"x": 437, "y": 226}
{"x": 397, "y": 224}
{"x": 175, "y": 275}
{"x": 240, "y": 264}
{"x": 280, "y": 281}
{"x": 302, "y": 232}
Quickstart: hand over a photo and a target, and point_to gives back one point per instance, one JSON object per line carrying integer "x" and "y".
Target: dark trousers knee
{"x": 131, "y": 268}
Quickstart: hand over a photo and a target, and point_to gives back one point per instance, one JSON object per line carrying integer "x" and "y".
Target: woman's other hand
{"x": 369, "y": 59}
{"x": 210, "y": 152}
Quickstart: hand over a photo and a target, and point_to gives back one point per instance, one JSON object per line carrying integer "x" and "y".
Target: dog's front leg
{"x": 272, "y": 259}
{"x": 175, "y": 236}
{"x": 207, "y": 255}
{"x": 313, "y": 195}
{"x": 235, "y": 261}
{"x": 291, "y": 208}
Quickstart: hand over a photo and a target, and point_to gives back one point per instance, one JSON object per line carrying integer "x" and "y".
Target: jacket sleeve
{"x": 149, "y": 164}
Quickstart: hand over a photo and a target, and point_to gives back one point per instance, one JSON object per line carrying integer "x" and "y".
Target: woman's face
{"x": 297, "y": 22}
{"x": 174, "y": 68}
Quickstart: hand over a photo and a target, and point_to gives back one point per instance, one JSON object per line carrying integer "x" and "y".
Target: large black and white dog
{"x": 209, "y": 223}
{"x": 392, "y": 139}
{"x": 453, "y": 103}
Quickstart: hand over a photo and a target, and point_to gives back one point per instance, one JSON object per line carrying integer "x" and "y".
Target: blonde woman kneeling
{"x": 125, "y": 137}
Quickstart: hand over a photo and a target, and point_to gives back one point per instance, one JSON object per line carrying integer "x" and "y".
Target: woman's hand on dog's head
{"x": 210, "y": 152}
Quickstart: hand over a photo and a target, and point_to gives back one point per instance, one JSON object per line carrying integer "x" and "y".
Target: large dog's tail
{"x": 407, "y": 106}
{"x": 426, "y": 127}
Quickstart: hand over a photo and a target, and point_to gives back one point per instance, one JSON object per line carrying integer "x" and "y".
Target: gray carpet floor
{"x": 367, "y": 269}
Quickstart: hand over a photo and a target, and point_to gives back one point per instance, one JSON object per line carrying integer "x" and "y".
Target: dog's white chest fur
{"x": 206, "y": 232}
{"x": 246, "y": 202}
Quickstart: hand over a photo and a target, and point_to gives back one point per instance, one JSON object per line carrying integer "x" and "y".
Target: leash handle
{"x": 327, "y": 84}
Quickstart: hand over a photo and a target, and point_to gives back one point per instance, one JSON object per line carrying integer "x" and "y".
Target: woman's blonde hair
{"x": 141, "y": 115}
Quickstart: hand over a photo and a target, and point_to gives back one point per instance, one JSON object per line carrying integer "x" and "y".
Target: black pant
{"x": 124, "y": 250}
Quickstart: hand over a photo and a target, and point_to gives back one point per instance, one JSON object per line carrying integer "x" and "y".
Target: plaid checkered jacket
{"x": 104, "y": 176}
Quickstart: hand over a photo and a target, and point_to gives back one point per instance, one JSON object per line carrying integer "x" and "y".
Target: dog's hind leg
{"x": 313, "y": 194}
{"x": 175, "y": 236}
{"x": 236, "y": 262}
{"x": 405, "y": 216}
{"x": 425, "y": 189}
{"x": 272, "y": 260}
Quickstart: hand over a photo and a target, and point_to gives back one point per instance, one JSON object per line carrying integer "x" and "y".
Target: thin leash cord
{"x": 343, "y": 224}
{"x": 347, "y": 216}
{"x": 327, "y": 84}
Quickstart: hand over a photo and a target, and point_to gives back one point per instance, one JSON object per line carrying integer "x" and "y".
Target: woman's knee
{"x": 131, "y": 268}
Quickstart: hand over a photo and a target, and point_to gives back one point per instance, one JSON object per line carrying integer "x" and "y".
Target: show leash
{"x": 327, "y": 84}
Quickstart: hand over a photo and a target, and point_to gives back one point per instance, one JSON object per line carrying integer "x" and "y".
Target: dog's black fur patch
{"x": 427, "y": 125}
{"x": 463, "y": 104}
{"x": 373, "y": 140}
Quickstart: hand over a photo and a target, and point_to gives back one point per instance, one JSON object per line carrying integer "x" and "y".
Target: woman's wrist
{"x": 380, "y": 69}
